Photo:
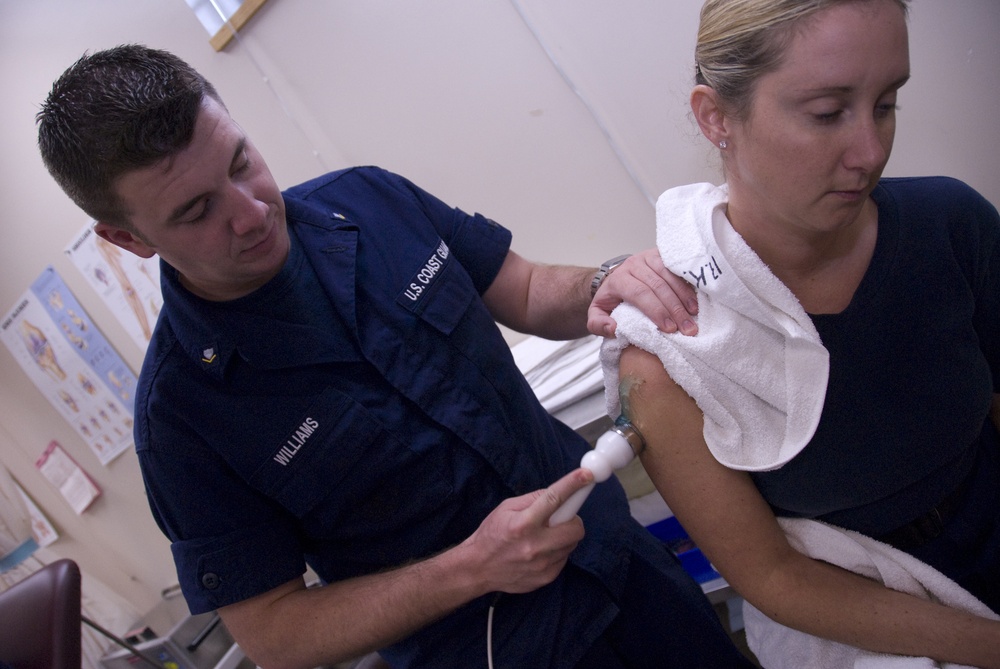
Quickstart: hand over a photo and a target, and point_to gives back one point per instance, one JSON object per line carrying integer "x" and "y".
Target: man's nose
{"x": 248, "y": 213}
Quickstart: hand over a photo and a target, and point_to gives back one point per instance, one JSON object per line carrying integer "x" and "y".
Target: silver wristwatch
{"x": 606, "y": 268}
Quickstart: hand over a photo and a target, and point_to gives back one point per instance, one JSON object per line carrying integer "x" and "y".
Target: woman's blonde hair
{"x": 741, "y": 40}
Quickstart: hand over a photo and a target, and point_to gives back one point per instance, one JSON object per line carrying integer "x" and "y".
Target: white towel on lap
{"x": 757, "y": 368}
{"x": 780, "y": 647}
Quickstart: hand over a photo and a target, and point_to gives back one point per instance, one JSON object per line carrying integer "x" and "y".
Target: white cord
{"x": 489, "y": 637}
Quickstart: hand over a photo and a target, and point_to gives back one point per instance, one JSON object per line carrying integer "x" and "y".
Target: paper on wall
{"x": 128, "y": 285}
{"x": 68, "y": 359}
{"x": 62, "y": 471}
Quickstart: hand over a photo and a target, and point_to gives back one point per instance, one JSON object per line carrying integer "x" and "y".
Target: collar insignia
{"x": 208, "y": 356}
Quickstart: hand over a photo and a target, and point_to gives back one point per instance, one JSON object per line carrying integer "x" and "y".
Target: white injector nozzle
{"x": 614, "y": 449}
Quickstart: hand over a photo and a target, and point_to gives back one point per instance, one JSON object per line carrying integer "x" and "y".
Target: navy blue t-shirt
{"x": 914, "y": 362}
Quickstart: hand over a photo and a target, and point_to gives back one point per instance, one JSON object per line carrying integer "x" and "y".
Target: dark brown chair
{"x": 40, "y": 619}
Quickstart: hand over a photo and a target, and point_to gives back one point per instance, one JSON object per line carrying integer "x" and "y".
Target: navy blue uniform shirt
{"x": 360, "y": 411}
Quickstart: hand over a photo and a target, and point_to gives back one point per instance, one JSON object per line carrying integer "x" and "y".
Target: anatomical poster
{"x": 128, "y": 284}
{"x": 69, "y": 360}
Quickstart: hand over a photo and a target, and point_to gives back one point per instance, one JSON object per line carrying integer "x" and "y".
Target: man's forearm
{"x": 549, "y": 301}
{"x": 513, "y": 550}
{"x": 302, "y": 628}
{"x": 558, "y": 301}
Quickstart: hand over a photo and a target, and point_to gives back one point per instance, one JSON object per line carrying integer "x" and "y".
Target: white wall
{"x": 460, "y": 97}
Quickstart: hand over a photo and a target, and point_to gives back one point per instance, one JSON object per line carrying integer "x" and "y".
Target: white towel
{"x": 757, "y": 368}
{"x": 560, "y": 372}
{"x": 780, "y": 647}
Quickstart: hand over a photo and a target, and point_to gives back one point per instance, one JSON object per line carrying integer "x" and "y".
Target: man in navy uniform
{"x": 326, "y": 385}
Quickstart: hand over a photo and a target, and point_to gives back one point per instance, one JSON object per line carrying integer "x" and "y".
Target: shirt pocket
{"x": 345, "y": 476}
{"x": 440, "y": 292}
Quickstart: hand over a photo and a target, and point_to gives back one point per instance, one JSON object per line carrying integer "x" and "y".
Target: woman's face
{"x": 821, "y": 125}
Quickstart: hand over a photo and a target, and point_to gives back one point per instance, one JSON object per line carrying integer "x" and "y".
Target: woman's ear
{"x": 126, "y": 239}
{"x": 709, "y": 115}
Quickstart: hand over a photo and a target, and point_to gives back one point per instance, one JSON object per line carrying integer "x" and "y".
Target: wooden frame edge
{"x": 239, "y": 18}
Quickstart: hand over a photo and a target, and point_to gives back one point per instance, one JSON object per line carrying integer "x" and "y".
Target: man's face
{"x": 212, "y": 211}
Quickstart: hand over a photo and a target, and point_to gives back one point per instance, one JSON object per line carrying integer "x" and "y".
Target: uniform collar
{"x": 213, "y": 333}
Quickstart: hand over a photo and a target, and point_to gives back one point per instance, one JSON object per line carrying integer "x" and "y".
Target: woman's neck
{"x": 822, "y": 268}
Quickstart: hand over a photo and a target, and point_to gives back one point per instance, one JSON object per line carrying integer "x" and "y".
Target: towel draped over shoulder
{"x": 756, "y": 368}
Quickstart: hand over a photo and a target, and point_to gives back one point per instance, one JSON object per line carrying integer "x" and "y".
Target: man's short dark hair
{"x": 112, "y": 112}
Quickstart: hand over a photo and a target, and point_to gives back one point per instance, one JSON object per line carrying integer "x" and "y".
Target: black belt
{"x": 929, "y": 526}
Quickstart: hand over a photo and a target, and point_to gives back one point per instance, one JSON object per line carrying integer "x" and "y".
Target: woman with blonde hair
{"x": 821, "y": 423}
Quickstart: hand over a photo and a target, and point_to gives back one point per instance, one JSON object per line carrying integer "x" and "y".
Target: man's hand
{"x": 513, "y": 550}
{"x": 643, "y": 281}
{"x": 517, "y": 549}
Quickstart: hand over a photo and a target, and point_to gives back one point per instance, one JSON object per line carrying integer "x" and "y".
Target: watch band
{"x": 606, "y": 268}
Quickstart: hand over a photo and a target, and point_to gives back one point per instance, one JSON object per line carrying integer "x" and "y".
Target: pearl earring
{"x": 723, "y": 144}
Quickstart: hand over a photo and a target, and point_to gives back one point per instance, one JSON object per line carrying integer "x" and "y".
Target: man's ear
{"x": 127, "y": 240}
{"x": 709, "y": 115}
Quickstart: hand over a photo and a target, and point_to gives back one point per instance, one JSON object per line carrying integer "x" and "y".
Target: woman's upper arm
{"x": 720, "y": 508}
{"x": 730, "y": 521}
